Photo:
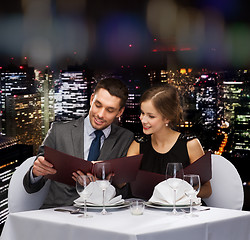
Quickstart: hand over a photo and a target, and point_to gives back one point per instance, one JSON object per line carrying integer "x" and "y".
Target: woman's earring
{"x": 166, "y": 124}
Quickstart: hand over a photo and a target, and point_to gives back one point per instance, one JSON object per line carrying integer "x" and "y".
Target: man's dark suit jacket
{"x": 68, "y": 137}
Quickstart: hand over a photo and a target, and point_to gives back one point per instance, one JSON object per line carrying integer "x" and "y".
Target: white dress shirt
{"x": 89, "y": 136}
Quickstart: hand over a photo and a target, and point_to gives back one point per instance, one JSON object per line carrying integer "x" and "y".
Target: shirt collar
{"x": 90, "y": 130}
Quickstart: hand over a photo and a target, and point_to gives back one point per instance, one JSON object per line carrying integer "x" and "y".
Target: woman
{"x": 160, "y": 112}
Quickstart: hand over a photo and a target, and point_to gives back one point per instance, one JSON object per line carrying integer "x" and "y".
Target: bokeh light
{"x": 11, "y": 35}
{"x": 161, "y": 19}
{"x": 237, "y": 47}
{"x": 204, "y": 31}
{"x": 48, "y": 32}
{"x": 123, "y": 38}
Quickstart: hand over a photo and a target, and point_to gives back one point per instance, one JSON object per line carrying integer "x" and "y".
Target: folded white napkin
{"x": 164, "y": 195}
{"x": 96, "y": 196}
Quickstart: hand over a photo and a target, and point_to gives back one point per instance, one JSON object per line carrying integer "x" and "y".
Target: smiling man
{"x": 107, "y": 103}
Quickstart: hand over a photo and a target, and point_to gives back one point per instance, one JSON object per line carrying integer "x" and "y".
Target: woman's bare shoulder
{"x": 195, "y": 149}
{"x": 134, "y": 148}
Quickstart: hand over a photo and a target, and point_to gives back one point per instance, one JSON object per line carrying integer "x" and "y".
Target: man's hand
{"x": 78, "y": 173}
{"x": 42, "y": 167}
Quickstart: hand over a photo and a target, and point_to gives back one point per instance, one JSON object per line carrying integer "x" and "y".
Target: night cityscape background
{"x": 53, "y": 52}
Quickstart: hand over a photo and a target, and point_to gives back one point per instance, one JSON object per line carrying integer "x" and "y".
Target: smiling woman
{"x": 160, "y": 113}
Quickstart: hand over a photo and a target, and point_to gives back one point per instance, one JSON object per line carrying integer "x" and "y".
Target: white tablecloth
{"x": 215, "y": 224}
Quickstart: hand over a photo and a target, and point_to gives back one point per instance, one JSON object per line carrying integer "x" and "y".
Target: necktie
{"x": 94, "y": 150}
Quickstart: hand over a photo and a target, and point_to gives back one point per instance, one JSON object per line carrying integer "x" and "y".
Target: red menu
{"x": 145, "y": 182}
{"x": 125, "y": 169}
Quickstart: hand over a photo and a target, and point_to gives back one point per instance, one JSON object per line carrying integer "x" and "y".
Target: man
{"x": 107, "y": 103}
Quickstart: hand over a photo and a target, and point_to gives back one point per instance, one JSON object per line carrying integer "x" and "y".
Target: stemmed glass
{"x": 174, "y": 171}
{"x": 82, "y": 182}
{"x": 103, "y": 175}
{"x": 194, "y": 181}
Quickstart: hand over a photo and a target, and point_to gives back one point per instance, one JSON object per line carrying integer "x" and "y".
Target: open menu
{"x": 125, "y": 169}
{"x": 145, "y": 182}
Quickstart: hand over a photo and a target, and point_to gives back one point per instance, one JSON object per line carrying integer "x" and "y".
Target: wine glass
{"x": 174, "y": 171}
{"x": 103, "y": 175}
{"x": 194, "y": 181}
{"x": 84, "y": 191}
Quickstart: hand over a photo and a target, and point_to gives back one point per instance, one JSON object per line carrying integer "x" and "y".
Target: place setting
{"x": 99, "y": 194}
{"x": 177, "y": 193}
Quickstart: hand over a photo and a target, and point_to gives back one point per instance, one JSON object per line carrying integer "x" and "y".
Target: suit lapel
{"x": 108, "y": 143}
{"x": 77, "y": 137}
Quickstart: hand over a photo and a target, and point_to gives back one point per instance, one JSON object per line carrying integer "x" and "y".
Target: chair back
{"x": 227, "y": 187}
{"x": 18, "y": 199}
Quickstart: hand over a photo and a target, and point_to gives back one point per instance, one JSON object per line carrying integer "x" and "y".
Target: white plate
{"x": 113, "y": 204}
{"x": 153, "y": 205}
{"x": 121, "y": 205}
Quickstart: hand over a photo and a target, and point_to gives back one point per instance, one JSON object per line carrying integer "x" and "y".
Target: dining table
{"x": 154, "y": 224}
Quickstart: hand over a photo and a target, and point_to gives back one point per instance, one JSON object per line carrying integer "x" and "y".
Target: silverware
{"x": 75, "y": 211}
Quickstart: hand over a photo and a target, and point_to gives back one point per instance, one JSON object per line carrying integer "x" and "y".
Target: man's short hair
{"x": 115, "y": 87}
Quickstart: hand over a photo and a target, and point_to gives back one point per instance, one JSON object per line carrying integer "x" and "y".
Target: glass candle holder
{"x": 137, "y": 207}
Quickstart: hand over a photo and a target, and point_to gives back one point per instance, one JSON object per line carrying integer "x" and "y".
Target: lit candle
{"x": 137, "y": 211}
{"x": 137, "y": 207}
